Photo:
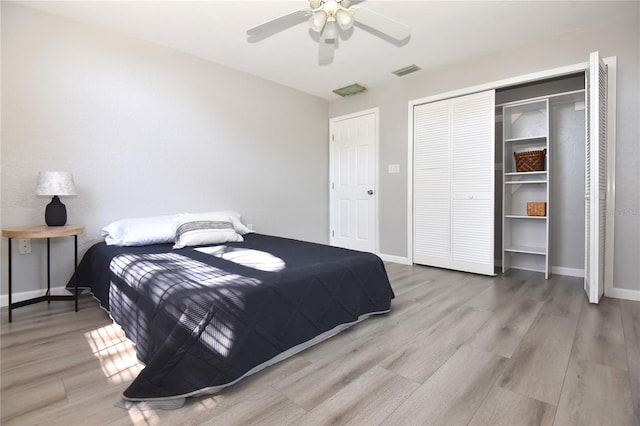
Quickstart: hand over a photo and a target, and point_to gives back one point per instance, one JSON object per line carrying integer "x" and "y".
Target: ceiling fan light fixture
{"x": 345, "y": 3}
{"x": 314, "y": 4}
{"x": 318, "y": 20}
{"x": 344, "y": 19}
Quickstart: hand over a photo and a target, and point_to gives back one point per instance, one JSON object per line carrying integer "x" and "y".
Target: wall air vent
{"x": 407, "y": 70}
{"x": 353, "y": 89}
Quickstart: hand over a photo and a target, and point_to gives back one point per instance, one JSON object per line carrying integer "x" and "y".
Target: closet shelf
{"x": 523, "y": 216}
{"x": 541, "y": 172}
{"x": 525, "y": 239}
{"x": 525, "y": 249}
{"x": 527, "y": 140}
{"x": 518, "y": 182}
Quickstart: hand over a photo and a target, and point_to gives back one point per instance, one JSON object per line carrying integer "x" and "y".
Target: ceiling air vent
{"x": 353, "y": 89}
{"x": 407, "y": 70}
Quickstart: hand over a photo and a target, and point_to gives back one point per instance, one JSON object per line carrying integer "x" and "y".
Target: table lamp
{"x": 56, "y": 184}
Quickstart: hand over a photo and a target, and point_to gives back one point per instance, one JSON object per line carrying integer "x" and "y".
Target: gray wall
{"x": 620, "y": 38}
{"x": 147, "y": 130}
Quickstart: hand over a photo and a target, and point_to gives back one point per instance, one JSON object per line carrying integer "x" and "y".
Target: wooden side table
{"x": 48, "y": 232}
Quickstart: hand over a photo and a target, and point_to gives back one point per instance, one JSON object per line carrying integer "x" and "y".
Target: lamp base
{"x": 56, "y": 213}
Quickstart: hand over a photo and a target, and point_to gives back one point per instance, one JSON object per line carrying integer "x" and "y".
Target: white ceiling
{"x": 443, "y": 32}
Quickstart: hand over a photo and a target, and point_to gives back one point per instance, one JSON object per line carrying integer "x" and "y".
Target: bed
{"x": 204, "y": 317}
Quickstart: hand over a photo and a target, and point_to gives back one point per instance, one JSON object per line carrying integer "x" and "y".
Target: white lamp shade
{"x": 344, "y": 19}
{"x": 55, "y": 183}
{"x": 317, "y": 20}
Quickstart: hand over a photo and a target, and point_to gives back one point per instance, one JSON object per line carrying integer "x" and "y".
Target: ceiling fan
{"x": 328, "y": 17}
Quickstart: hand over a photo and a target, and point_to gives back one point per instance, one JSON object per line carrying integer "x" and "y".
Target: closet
{"x": 553, "y": 235}
{"x": 468, "y": 200}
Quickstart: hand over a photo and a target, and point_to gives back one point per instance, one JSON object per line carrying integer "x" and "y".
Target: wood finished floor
{"x": 457, "y": 349}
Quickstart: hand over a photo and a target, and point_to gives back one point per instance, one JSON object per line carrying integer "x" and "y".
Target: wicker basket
{"x": 530, "y": 161}
{"x": 535, "y": 208}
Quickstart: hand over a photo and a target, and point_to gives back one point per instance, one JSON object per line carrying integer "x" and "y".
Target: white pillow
{"x": 228, "y": 215}
{"x": 203, "y": 232}
{"x": 141, "y": 231}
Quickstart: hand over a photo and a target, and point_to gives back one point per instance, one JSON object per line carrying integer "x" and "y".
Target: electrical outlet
{"x": 24, "y": 245}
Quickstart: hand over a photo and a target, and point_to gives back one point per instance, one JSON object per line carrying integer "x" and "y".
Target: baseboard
{"x": 395, "y": 259}
{"x": 26, "y": 295}
{"x": 569, "y": 272}
{"x": 623, "y": 293}
{"x": 557, "y": 270}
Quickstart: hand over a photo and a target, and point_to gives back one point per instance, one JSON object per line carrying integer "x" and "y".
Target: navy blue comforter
{"x": 204, "y": 317}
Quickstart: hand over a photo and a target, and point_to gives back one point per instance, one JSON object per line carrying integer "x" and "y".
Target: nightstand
{"x": 48, "y": 232}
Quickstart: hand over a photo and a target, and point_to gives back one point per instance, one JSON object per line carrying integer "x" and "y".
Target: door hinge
{"x": 333, "y": 138}
{"x": 333, "y": 185}
{"x": 333, "y": 234}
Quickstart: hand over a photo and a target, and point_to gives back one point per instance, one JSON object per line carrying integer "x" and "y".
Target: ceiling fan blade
{"x": 278, "y": 24}
{"x": 327, "y": 48}
{"x": 381, "y": 23}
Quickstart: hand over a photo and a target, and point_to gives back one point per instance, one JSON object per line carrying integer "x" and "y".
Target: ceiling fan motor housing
{"x": 315, "y": 4}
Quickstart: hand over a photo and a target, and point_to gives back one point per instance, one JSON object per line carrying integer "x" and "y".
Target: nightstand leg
{"x": 48, "y": 270}
{"x": 75, "y": 269}
{"x": 10, "y": 301}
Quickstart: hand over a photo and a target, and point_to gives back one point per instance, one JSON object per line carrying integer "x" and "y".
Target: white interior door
{"x": 353, "y": 175}
{"x": 473, "y": 182}
{"x": 596, "y": 178}
{"x": 432, "y": 184}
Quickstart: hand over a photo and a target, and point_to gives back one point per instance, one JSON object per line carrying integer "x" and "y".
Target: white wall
{"x": 147, "y": 130}
{"x": 620, "y": 38}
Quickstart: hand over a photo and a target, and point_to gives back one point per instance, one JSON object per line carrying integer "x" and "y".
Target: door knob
{"x": 370, "y": 192}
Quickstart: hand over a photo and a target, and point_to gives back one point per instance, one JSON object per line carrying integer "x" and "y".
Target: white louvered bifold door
{"x": 431, "y": 186}
{"x": 473, "y": 183}
{"x": 454, "y": 183}
{"x": 596, "y": 178}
